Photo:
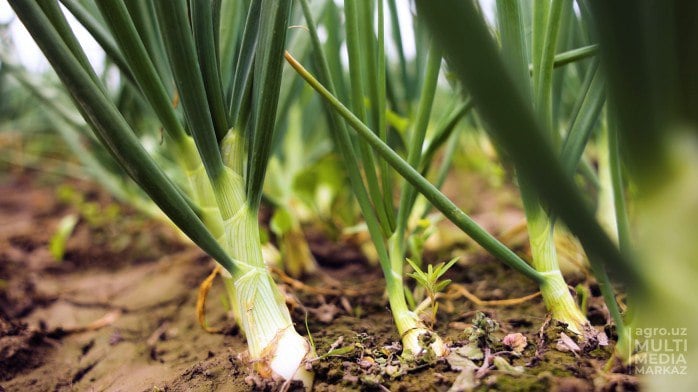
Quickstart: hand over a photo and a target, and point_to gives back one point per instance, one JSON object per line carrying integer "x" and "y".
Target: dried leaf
{"x": 566, "y": 344}
{"x": 602, "y": 338}
{"x": 516, "y": 342}
{"x": 471, "y": 351}
{"x": 458, "y": 361}
{"x": 503, "y": 365}
{"x": 204, "y": 288}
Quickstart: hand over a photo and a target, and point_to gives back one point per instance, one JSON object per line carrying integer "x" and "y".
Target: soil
{"x": 118, "y": 312}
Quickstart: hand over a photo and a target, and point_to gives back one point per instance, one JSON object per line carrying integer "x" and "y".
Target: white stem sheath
{"x": 416, "y": 337}
{"x": 276, "y": 349}
{"x": 419, "y": 340}
{"x": 556, "y": 295}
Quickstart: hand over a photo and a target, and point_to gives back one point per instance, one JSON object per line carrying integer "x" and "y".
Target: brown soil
{"x": 117, "y": 314}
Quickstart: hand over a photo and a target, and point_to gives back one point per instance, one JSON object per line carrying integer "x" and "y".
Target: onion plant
{"x": 649, "y": 117}
{"x": 546, "y": 20}
{"x": 279, "y": 189}
{"x": 225, "y": 73}
{"x": 555, "y": 189}
{"x": 370, "y": 177}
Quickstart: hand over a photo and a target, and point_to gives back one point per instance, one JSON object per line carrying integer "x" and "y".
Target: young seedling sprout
{"x": 429, "y": 280}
